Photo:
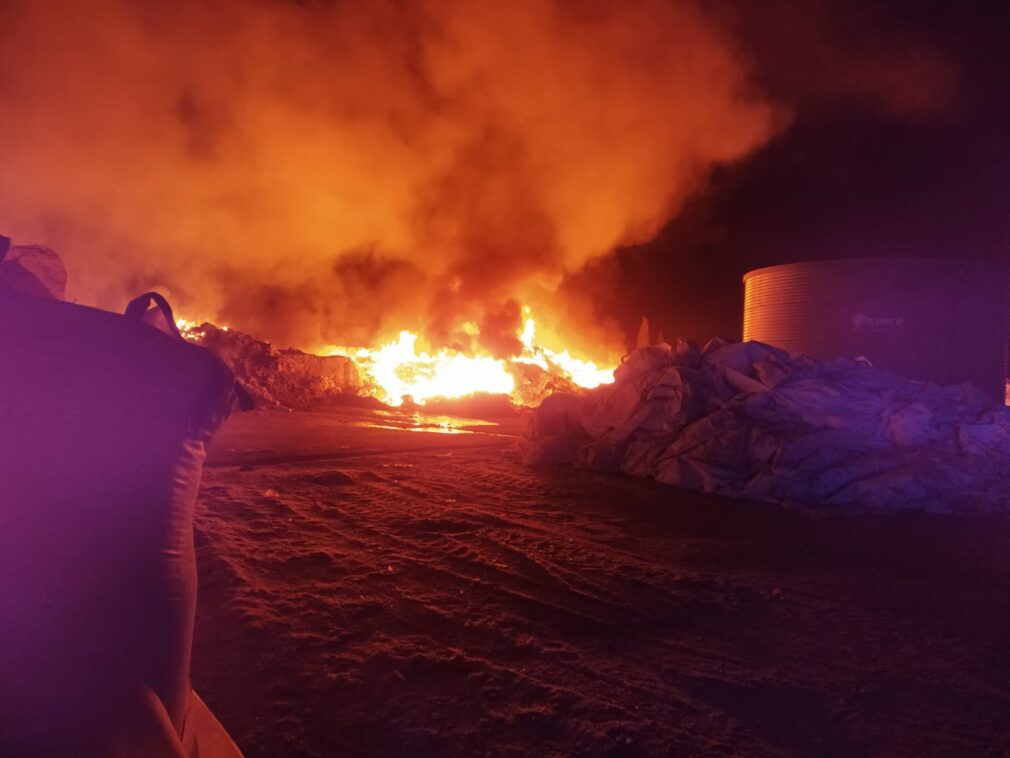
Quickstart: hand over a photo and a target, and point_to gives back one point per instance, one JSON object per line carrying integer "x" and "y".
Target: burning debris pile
{"x": 749, "y": 420}
{"x": 276, "y": 377}
{"x": 395, "y": 374}
{"x": 398, "y": 372}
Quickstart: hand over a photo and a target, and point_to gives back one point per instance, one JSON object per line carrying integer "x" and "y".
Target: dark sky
{"x": 851, "y": 176}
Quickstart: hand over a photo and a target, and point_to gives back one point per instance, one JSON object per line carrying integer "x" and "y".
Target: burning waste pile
{"x": 398, "y": 372}
{"x": 749, "y": 420}
{"x": 395, "y": 373}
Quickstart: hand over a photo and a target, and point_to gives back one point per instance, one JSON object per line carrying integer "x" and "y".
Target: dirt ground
{"x": 380, "y": 591}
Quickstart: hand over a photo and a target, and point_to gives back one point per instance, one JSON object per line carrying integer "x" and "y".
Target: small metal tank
{"x": 935, "y": 319}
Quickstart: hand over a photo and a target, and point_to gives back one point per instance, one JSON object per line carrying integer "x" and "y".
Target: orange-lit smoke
{"x": 334, "y": 172}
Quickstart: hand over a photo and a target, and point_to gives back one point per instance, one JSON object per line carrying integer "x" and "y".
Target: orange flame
{"x": 398, "y": 371}
{"x": 401, "y": 372}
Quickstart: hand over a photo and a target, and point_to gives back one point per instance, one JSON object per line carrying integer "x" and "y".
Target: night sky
{"x": 851, "y": 176}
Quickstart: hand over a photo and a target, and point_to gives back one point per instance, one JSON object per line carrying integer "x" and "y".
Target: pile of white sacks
{"x": 749, "y": 420}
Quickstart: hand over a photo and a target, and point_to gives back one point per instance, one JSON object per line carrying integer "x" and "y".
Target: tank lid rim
{"x": 926, "y": 262}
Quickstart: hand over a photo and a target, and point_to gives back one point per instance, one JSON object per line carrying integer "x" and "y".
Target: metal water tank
{"x": 936, "y": 319}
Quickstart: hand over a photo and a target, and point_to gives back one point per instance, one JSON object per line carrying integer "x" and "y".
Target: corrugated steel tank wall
{"x": 935, "y": 319}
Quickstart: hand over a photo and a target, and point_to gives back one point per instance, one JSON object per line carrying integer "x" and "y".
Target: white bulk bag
{"x": 104, "y": 421}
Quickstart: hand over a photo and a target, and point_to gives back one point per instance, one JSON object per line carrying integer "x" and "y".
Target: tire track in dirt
{"x": 424, "y": 598}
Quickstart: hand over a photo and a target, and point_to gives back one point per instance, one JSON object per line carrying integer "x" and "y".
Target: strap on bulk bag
{"x": 139, "y": 309}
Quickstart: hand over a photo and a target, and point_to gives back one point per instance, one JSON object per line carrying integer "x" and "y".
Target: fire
{"x": 583, "y": 373}
{"x": 401, "y": 372}
{"x": 398, "y": 371}
{"x": 188, "y": 326}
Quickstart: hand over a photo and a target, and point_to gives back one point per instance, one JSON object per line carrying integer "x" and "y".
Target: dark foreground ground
{"x": 371, "y": 591}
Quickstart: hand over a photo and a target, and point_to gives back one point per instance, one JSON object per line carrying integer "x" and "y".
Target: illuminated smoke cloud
{"x": 333, "y": 172}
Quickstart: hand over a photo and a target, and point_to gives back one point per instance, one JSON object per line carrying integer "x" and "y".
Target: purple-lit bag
{"x": 104, "y": 421}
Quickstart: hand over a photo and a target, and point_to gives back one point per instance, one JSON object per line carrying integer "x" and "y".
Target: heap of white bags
{"x": 749, "y": 420}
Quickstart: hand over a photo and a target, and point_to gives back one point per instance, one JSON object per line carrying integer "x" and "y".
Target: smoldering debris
{"x": 749, "y": 420}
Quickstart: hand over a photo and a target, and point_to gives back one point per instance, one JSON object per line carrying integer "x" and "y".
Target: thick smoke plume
{"x": 333, "y": 172}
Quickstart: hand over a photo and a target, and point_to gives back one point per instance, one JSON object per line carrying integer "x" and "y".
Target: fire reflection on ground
{"x": 423, "y": 422}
